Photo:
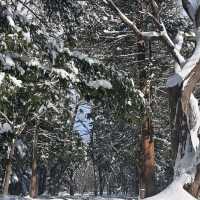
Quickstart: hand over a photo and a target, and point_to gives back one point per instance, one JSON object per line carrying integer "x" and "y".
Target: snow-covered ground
{"x": 65, "y": 196}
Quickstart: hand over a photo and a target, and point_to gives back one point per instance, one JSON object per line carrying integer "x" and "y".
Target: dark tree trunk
{"x": 71, "y": 189}
{"x": 8, "y": 171}
{"x": 94, "y": 165}
{"x": 34, "y": 180}
{"x": 101, "y": 182}
{"x": 71, "y": 184}
{"x": 95, "y": 180}
{"x": 174, "y": 96}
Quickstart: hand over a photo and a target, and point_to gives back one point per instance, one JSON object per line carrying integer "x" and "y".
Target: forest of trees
{"x": 100, "y": 97}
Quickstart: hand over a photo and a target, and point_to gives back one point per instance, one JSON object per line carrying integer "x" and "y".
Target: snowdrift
{"x": 174, "y": 191}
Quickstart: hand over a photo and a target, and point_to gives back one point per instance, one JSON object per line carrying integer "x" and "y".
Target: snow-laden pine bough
{"x": 184, "y": 109}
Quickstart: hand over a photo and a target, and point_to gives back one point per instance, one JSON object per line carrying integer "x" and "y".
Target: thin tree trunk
{"x": 95, "y": 180}
{"x": 93, "y": 163}
{"x": 8, "y": 171}
{"x": 71, "y": 184}
{"x": 34, "y": 181}
{"x": 101, "y": 184}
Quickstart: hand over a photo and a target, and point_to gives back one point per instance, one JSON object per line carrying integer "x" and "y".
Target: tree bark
{"x": 173, "y": 96}
{"x": 194, "y": 188}
{"x": 34, "y": 181}
{"x": 8, "y": 171}
{"x": 147, "y": 176}
{"x": 146, "y": 185}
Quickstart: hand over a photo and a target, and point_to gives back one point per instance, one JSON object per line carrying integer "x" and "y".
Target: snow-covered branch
{"x": 146, "y": 35}
{"x": 161, "y": 35}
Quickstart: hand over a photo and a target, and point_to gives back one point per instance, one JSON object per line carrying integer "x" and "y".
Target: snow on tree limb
{"x": 100, "y": 83}
{"x": 162, "y": 35}
{"x": 178, "y": 45}
{"x": 126, "y": 20}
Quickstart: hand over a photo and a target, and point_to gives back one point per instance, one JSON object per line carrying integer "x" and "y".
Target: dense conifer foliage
{"x": 84, "y": 105}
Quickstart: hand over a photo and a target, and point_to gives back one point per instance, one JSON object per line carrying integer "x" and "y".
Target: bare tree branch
{"x": 9, "y": 121}
{"x": 178, "y": 45}
{"x": 155, "y": 9}
{"x": 40, "y": 19}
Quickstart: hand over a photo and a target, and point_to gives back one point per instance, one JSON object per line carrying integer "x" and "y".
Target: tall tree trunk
{"x": 146, "y": 186}
{"x": 93, "y": 164}
{"x": 95, "y": 180}
{"x": 101, "y": 182}
{"x": 34, "y": 181}
{"x": 147, "y": 176}
{"x": 174, "y": 96}
{"x": 71, "y": 184}
{"x": 8, "y": 171}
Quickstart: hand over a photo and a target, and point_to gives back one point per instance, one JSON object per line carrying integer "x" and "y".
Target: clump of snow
{"x": 9, "y": 61}
{"x": 100, "y": 83}
{"x": 5, "y": 128}
{"x": 81, "y": 56}
{"x": 34, "y": 62}
{"x": 42, "y": 109}
{"x": 21, "y": 147}
{"x": 63, "y": 194}
{"x": 174, "y": 80}
{"x": 11, "y": 21}
{"x": 55, "y": 46}
{"x": 2, "y": 76}
{"x": 6, "y": 61}
{"x": 73, "y": 68}
{"x": 15, "y": 81}
{"x": 15, "y": 179}
{"x": 175, "y": 190}
{"x": 64, "y": 74}
{"x": 51, "y": 105}
{"x": 27, "y": 36}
